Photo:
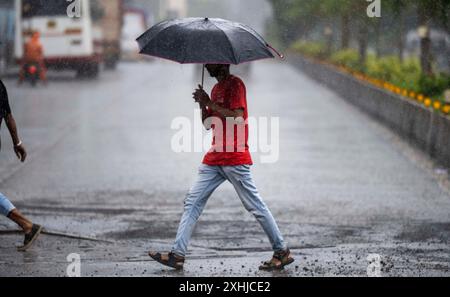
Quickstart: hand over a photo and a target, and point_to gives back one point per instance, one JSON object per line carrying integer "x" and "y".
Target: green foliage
{"x": 434, "y": 85}
{"x": 294, "y": 18}
{"x": 348, "y": 58}
{"x": 403, "y": 74}
{"x": 309, "y": 48}
{"x": 406, "y": 74}
{"x": 303, "y": 18}
{"x": 298, "y": 18}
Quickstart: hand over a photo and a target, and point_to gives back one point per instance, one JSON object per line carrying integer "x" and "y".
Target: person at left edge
{"x": 7, "y": 209}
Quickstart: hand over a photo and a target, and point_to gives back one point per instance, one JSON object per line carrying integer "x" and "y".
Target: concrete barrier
{"x": 422, "y": 127}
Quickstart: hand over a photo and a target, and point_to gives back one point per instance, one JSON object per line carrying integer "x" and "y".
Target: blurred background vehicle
{"x": 68, "y": 42}
{"x": 109, "y": 22}
{"x": 32, "y": 73}
{"x": 134, "y": 24}
{"x": 7, "y": 15}
{"x": 106, "y": 31}
{"x": 440, "y": 48}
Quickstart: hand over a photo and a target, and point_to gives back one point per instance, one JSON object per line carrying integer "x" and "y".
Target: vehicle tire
{"x": 81, "y": 71}
{"x": 94, "y": 70}
{"x": 88, "y": 70}
{"x": 33, "y": 81}
{"x": 111, "y": 64}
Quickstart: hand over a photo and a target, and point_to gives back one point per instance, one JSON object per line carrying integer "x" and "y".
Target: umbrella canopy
{"x": 204, "y": 41}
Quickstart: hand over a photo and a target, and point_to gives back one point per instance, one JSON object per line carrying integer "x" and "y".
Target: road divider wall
{"x": 421, "y": 126}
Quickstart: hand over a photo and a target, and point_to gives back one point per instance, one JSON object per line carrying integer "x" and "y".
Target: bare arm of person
{"x": 19, "y": 148}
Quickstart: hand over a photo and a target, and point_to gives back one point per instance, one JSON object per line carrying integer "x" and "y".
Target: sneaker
{"x": 30, "y": 238}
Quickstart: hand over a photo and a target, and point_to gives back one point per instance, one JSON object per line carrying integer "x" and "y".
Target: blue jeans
{"x": 5, "y": 205}
{"x": 209, "y": 178}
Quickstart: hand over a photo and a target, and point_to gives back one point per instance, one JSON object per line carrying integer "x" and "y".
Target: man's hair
{"x": 226, "y": 66}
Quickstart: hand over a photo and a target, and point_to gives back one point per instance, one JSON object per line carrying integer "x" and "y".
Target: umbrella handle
{"x": 278, "y": 53}
{"x": 203, "y": 74}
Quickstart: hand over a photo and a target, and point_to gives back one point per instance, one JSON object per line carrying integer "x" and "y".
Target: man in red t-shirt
{"x": 229, "y": 159}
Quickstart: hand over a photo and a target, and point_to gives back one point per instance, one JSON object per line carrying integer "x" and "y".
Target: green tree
{"x": 430, "y": 11}
{"x": 341, "y": 11}
{"x": 295, "y": 18}
{"x": 397, "y": 9}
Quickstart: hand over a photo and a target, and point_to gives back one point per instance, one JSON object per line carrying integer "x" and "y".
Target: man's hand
{"x": 21, "y": 153}
{"x": 201, "y": 96}
{"x": 19, "y": 149}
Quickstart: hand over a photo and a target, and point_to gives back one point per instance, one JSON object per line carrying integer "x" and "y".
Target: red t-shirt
{"x": 227, "y": 150}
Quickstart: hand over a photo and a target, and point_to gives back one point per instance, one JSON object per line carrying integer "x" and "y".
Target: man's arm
{"x": 205, "y": 102}
{"x": 19, "y": 149}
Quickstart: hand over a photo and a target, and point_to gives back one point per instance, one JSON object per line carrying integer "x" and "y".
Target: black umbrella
{"x": 204, "y": 41}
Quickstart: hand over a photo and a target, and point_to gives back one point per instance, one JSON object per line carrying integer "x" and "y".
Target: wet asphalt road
{"x": 101, "y": 167}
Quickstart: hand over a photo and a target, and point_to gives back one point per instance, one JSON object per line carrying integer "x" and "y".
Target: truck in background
{"x": 68, "y": 42}
{"x": 7, "y": 17}
{"x": 109, "y": 30}
{"x": 134, "y": 24}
